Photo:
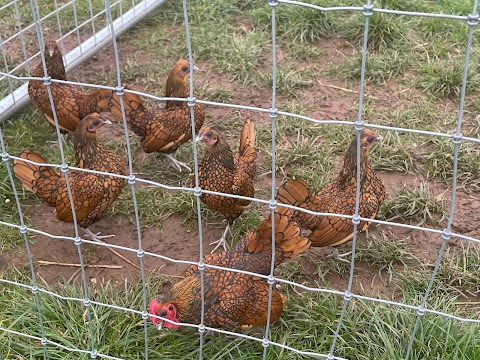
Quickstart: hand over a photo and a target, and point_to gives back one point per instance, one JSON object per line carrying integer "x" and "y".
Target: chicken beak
{"x": 106, "y": 121}
{"x": 379, "y": 138}
{"x": 50, "y": 52}
{"x": 195, "y": 68}
{"x": 160, "y": 325}
{"x": 199, "y": 137}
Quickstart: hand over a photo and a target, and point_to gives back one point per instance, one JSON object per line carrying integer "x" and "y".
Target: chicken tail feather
{"x": 134, "y": 110}
{"x": 293, "y": 192}
{"x": 42, "y": 180}
{"x": 102, "y": 97}
{"x": 288, "y": 238}
{"x": 247, "y": 140}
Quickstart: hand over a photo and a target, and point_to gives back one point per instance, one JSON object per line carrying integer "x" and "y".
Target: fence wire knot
{"x": 273, "y": 3}
{"x": 472, "y": 20}
{"x": 272, "y": 204}
{"x": 64, "y": 168}
{"x": 93, "y": 354}
{"x": 77, "y": 241}
{"x": 359, "y": 125}
{"x": 140, "y": 253}
{"x": 144, "y": 315}
{"x": 201, "y": 328}
{"x": 446, "y": 234}
{"x": 191, "y": 101}
{"x": 201, "y": 266}
{"x": 368, "y": 10}
{"x": 86, "y": 302}
{"x": 34, "y": 290}
{"x": 23, "y": 229}
{"x": 120, "y": 90}
{"x": 356, "y": 219}
{"x": 197, "y": 191}
{"x": 47, "y": 80}
{"x": 5, "y": 156}
{"x": 273, "y": 113}
{"x": 421, "y": 310}
{"x": 44, "y": 341}
{"x": 131, "y": 179}
{"x": 330, "y": 356}
{"x": 271, "y": 279}
{"x": 457, "y": 139}
{"x": 265, "y": 342}
{"x": 348, "y": 295}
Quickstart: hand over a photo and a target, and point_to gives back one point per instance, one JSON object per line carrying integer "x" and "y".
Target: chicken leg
{"x": 221, "y": 241}
{"x": 177, "y": 164}
{"x": 97, "y": 238}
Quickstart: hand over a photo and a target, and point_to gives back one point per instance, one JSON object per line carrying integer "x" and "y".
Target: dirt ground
{"x": 331, "y": 99}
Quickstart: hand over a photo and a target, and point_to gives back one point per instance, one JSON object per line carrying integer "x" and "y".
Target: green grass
{"x": 415, "y": 203}
{"x": 413, "y": 75}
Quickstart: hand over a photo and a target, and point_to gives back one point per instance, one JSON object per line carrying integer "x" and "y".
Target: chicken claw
{"x": 96, "y": 236}
{"x": 221, "y": 241}
{"x": 177, "y": 164}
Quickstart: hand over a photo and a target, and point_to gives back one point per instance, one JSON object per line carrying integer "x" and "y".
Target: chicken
{"x": 163, "y": 129}
{"x": 221, "y": 171}
{"x": 234, "y": 300}
{"x": 91, "y": 193}
{"x": 71, "y": 105}
{"x": 338, "y": 197}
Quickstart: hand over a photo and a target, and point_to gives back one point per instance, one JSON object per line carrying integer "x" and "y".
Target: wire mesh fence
{"x": 16, "y": 74}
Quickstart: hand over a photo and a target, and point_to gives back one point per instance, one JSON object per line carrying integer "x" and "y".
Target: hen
{"x": 234, "y": 300}
{"x": 163, "y": 129}
{"x": 221, "y": 171}
{"x": 71, "y": 105}
{"x": 91, "y": 193}
{"x": 338, "y": 197}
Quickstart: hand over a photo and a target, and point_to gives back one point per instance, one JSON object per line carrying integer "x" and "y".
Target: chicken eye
{"x": 370, "y": 139}
{"x": 209, "y": 134}
{"x": 163, "y": 313}
{"x": 170, "y": 308}
{"x": 184, "y": 68}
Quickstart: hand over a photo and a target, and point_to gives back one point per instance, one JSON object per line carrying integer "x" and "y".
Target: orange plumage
{"x": 234, "y": 300}
{"x": 92, "y": 193}
{"x": 162, "y": 129}
{"x": 71, "y": 105}
{"x": 338, "y": 197}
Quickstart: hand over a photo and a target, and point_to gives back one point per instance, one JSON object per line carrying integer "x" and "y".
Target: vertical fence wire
{"x": 77, "y": 29}
{"x": 64, "y": 171}
{"x": 273, "y": 204}
{"x": 457, "y": 140}
{"x": 23, "y": 232}
{"x": 359, "y": 124}
{"x": 59, "y": 27}
{"x": 22, "y": 39}
{"x": 131, "y": 177}
{"x": 197, "y": 191}
{"x": 5, "y": 61}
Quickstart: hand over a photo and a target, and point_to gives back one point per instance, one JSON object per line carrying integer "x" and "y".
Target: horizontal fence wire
{"x": 420, "y": 309}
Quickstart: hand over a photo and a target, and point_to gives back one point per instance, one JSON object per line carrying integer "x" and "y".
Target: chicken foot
{"x": 221, "y": 241}
{"x": 336, "y": 255}
{"x": 177, "y": 164}
{"x": 97, "y": 238}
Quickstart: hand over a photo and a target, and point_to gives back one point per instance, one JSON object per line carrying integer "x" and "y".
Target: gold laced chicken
{"x": 163, "y": 129}
{"x": 222, "y": 171}
{"x": 234, "y": 300}
{"x": 338, "y": 197}
{"x": 71, "y": 105}
{"x": 91, "y": 193}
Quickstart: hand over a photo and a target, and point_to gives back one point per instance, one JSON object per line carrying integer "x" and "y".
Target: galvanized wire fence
{"x": 368, "y": 10}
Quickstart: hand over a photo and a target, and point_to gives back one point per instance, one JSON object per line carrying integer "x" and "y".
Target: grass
{"x": 413, "y": 77}
{"x": 415, "y": 203}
